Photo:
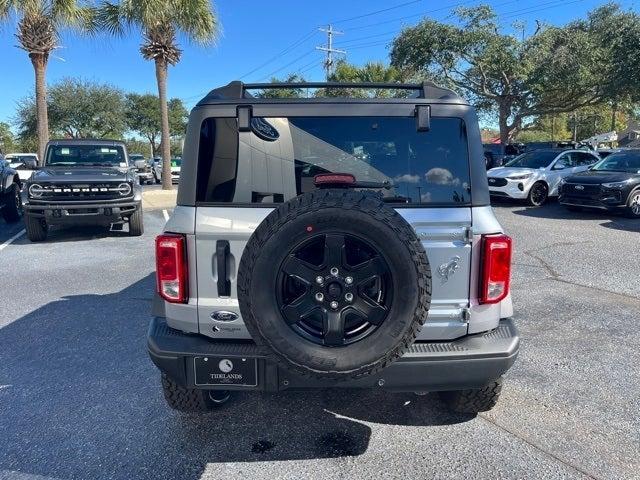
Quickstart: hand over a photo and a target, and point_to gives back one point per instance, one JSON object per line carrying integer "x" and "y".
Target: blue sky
{"x": 255, "y": 34}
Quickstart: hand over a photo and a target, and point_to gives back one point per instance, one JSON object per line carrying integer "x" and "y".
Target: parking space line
{"x": 12, "y": 239}
{"x": 166, "y": 215}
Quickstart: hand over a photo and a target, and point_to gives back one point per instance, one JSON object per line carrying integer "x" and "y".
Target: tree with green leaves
{"x": 143, "y": 117}
{"x": 555, "y": 70}
{"x": 284, "y": 92}
{"x": 7, "y": 139}
{"x": 39, "y": 26}
{"x": 160, "y": 21}
{"x": 77, "y": 109}
{"x": 376, "y": 72}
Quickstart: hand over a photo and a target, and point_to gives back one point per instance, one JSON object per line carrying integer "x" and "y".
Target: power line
{"x": 283, "y": 52}
{"x": 513, "y": 13}
{"x": 268, "y": 77}
{"x": 427, "y": 12}
{"x": 344, "y": 20}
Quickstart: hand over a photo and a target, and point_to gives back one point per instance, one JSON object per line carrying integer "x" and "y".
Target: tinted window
{"x": 621, "y": 162}
{"x": 584, "y": 159}
{"x": 280, "y": 157}
{"x": 86, "y": 154}
{"x": 569, "y": 160}
{"x": 535, "y": 159}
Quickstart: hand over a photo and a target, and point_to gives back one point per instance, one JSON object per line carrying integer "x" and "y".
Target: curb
{"x": 159, "y": 199}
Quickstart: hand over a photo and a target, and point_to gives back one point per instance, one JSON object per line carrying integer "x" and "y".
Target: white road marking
{"x": 166, "y": 215}
{"x": 12, "y": 239}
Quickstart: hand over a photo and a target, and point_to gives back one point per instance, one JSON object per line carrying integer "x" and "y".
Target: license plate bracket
{"x": 230, "y": 371}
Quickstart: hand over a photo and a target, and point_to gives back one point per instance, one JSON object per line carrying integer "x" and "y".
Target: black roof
{"x": 92, "y": 141}
{"x": 237, "y": 90}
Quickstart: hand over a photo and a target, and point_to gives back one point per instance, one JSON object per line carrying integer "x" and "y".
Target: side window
{"x": 585, "y": 159}
{"x": 568, "y": 160}
{"x": 217, "y": 160}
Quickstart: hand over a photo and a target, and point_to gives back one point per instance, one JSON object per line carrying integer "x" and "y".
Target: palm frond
{"x": 112, "y": 18}
{"x": 196, "y": 19}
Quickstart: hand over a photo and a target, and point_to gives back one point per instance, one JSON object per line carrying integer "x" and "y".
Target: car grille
{"x": 79, "y": 192}
{"x": 579, "y": 190}
{"x": 497, "y": 182}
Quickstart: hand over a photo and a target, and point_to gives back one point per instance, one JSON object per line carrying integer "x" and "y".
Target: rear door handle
{"x": 222, "y": 257}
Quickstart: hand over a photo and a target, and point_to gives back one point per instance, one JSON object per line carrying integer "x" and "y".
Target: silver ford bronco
{"x": 333, "y": 242}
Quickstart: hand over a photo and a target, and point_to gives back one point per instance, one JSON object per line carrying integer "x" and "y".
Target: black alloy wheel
{"x": 538, "y": 195}
{"x": 334, "y": 289}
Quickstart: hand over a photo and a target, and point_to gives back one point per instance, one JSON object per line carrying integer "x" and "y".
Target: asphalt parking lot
{"x": 79, "y": 397}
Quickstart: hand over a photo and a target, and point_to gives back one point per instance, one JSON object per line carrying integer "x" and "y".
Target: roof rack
{"x": 238, "y": 90}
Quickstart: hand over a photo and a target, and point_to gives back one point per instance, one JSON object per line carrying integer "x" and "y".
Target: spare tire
{"x": 334, "y": 284}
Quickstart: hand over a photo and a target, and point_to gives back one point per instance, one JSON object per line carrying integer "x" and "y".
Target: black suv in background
{"x": 83, "y": 182}
{"x": 611, "y": 184}
{"x": 10, "y": 201}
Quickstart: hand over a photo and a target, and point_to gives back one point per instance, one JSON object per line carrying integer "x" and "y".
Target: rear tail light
{"x": 171, "y": 267}
{"x": 496, "y": 268}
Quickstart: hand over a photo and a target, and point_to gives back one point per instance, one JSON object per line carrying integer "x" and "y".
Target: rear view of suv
{"x": 333, "y": 242}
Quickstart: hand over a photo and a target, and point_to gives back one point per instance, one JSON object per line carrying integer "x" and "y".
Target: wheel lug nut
{"x": 319, "y": 280}
{"x": 348, "y": 297}
{"x": 334, "y": 271}
{"x": 319, "y": 297}
{"x": 348, "y": 280}
{"x": 334, "y": 305}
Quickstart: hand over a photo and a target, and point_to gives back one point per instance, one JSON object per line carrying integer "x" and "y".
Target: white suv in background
{"x": 534, "y": 176}
{"x": 23, "y": 163}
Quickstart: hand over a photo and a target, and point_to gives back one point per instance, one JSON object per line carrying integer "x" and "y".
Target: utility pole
{"x": 328, "y": 63}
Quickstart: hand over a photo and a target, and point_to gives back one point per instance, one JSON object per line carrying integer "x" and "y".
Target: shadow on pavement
{"x": 80, "y": 399}
{"x": 58, "y": 234}
{"x": 555, "y": 211}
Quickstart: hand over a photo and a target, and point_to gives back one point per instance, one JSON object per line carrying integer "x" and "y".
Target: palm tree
{"x": 160, "y": 21}
{"x": 38, "y": 26}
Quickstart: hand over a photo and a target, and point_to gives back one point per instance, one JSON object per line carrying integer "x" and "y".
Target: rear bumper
{"x": 82, "y": 213}
{"x": 469, "y": 362}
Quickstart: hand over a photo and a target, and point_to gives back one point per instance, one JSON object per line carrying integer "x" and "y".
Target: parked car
{"x": 176, "y": 163}
{"x": 83, "y": 182}
{"x": 23, "y": 163}
{"x": 534, "y": 176}
{"x": 143, "y": 168}
{"x": 495, "y": 156}
{"x": 605, "y": 152}
{"x": 612, "y": 184}
{"x": 302, "y": 251}
{"x": 10, "y": 199}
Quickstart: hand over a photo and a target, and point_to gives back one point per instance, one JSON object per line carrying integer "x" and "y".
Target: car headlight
{"x": 615, "y": 185}
{"x": 520, "y": 177}
{"x": 124, "y": 189}
{"x": 36, "y": 190}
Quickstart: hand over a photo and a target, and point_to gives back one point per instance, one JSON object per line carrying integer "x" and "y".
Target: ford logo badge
{"x": 264, "y": 129}
{"x": 224, "y": 316}
{"x": 579, "y": 187}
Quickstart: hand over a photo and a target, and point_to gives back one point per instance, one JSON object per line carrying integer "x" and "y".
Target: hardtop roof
{"x": 93, "y": 141}
{"x": 238, "y": 92}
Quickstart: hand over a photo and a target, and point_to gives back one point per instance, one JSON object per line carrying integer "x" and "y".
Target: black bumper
{"x": 469, "y": 362}
{"x": 102, "y": 213}
{"x": 614, "y": 201}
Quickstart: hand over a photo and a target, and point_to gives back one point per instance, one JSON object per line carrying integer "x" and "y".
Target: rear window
{"x": 279, "y": 158}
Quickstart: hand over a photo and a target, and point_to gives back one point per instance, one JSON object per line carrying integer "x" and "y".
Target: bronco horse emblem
{"x": 447, "y": 270}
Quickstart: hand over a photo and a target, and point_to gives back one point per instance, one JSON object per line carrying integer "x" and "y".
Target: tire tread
{"x": 366, "y": 203}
